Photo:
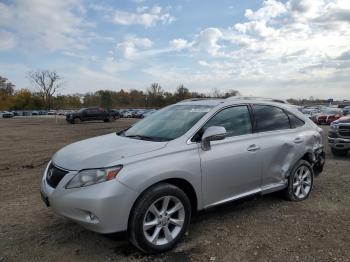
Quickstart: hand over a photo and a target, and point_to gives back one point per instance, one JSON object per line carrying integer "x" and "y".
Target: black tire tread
{"x": 145, "y": 200}
{"x": 288, "y": 192}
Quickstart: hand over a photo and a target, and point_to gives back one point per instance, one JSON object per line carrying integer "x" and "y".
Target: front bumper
{"x": 339, "y": 143}
{"x": 103, "y": 207}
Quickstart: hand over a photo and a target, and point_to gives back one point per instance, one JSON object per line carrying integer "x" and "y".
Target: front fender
{"x": 184, "y": 165}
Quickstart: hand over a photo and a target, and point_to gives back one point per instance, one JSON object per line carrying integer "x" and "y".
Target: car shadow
{"x": 236, "y": 207}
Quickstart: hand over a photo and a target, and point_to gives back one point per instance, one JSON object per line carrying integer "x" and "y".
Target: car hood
{"x": 102, "y": 151}
{"x": 344, "y": 119}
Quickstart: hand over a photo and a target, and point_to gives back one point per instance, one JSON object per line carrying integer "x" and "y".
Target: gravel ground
{"x": 265, "y": 228}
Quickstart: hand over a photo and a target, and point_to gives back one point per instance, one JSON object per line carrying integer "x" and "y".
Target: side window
{"x": 294, "y": 121}
{"x": 269, "y": 118}
{"x": 235, "y": 119}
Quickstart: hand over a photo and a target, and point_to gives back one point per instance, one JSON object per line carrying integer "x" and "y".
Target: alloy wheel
{"x": 164, "y": 220}
{"x": 302, "y": 182}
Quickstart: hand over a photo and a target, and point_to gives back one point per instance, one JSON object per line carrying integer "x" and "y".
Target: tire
{"x": 302, "y": 177}
{"x": 143, "y": 213}
{"x": 339, "y": 152}
{"x": 108, "y": 119}
{"x": 77, "y": 120}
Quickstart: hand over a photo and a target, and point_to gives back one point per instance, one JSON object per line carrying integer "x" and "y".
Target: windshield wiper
{"x": 148, "y": 138}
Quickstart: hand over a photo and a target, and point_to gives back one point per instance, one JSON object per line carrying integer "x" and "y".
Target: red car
{"x": 328, "y": 116}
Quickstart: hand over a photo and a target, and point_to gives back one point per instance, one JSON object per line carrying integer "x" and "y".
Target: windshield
{"x": 168, "y": 123}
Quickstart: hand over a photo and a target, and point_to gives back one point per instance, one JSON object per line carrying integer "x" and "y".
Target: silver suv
{"x": 150, "y": 179}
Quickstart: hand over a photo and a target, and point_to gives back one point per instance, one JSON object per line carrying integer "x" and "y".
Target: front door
{"x": 232, "y": 167}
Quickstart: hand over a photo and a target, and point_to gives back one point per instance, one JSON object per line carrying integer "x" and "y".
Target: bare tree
{"x": 6, "y": 87}
{"x": 46, "y": 83}
{"x": 219, "y": 94}
{"x": 155, "y": 95}
{"x": 155, "y": 89}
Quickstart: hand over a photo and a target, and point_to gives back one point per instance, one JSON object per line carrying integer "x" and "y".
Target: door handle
{"x": 298, "y": 140}
{"x": 253, "y": 148}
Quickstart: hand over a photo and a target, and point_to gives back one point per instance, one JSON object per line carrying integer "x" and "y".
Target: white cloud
{"x": 53, "y": 25}
{"x": 138, "y": 1}
{"x": 110, "y": 65}
{"x": 141, "y": 9}
{"x": 270, "y": 9}
{"x": 130, "y": 48}
{"x": 7, "y": 40}
{"x": 145, "y": 17}
{"x": 180, "y": 44}
{"x": 297, "y": 48}
{"x": 207, "y": 40}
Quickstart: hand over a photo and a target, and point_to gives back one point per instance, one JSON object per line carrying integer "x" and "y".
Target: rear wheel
{"x": 339, "y": 152}
{"x": 159, "y": 218}
{"x": 109, "y": 119}
{"x": 300, "y": 181}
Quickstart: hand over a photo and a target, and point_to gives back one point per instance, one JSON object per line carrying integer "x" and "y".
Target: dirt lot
{"x": 256, "y": 229}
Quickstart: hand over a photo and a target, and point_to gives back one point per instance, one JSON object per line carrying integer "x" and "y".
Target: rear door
{"x": 232, "y": 167}
{"x": 102, "y": 114}
{"x": 92, "y": 113}
{"x": 281, "y": 142}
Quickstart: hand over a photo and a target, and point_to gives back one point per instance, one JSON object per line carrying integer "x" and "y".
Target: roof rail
{"x": 196, "y": 99}
{"x": 258, "y": 98}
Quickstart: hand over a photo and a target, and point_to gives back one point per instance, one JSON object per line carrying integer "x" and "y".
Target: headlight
{"x": 334, "y": 126}
{"x": 89, "y": 177}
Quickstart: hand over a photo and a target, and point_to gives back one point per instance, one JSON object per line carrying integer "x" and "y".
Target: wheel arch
{"x": 308, "y": 157}
{"x": 181, "y": 183}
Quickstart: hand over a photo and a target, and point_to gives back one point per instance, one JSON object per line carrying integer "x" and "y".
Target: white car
{"x": 150, "y": 179}
{"x": 6, "y": 114}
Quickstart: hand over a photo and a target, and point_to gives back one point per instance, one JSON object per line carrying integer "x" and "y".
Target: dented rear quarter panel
{"x": 280, "y": 152}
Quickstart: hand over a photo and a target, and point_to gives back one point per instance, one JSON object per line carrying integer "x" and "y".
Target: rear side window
{"x": 270, "y": 118}
{"x": 236, "y": 121}
{"x": 294, "y": 121}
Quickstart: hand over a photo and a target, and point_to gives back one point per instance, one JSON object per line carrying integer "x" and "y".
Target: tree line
{"x": 47, "y": 84}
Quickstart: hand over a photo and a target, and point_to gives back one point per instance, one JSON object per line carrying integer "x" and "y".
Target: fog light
{"x": 92, "y": 217}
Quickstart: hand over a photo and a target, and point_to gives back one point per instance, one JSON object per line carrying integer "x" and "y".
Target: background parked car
{"x": 148, "y": 113}
{"x": 346, "y": 110}
{"x": 328, "y": 115}
{"x": 26, "y": 113}
{"x": 310, "y": 112}
{"x": 90, "y": 114}
{"x": 115, "y": 113}
{"x": 127, "y": 114}
{"x": 339, "y": 136}
{"x": 6, "y": 114}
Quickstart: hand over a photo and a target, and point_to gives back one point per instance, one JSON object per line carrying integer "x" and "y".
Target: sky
{"x": 279, "y": 49}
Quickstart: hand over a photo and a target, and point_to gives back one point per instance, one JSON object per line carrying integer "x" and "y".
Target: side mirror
{"x": 212, "y": 133}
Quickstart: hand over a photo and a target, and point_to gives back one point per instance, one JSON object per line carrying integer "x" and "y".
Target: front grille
{"x": 54, "y": 175}
{"x": 344, "y": 131}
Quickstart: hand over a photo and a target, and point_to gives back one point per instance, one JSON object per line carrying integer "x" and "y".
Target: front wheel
{"x": 300, "y": 181}
{"x": 159, "y": 218}
{"x": 77, "y": 120}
